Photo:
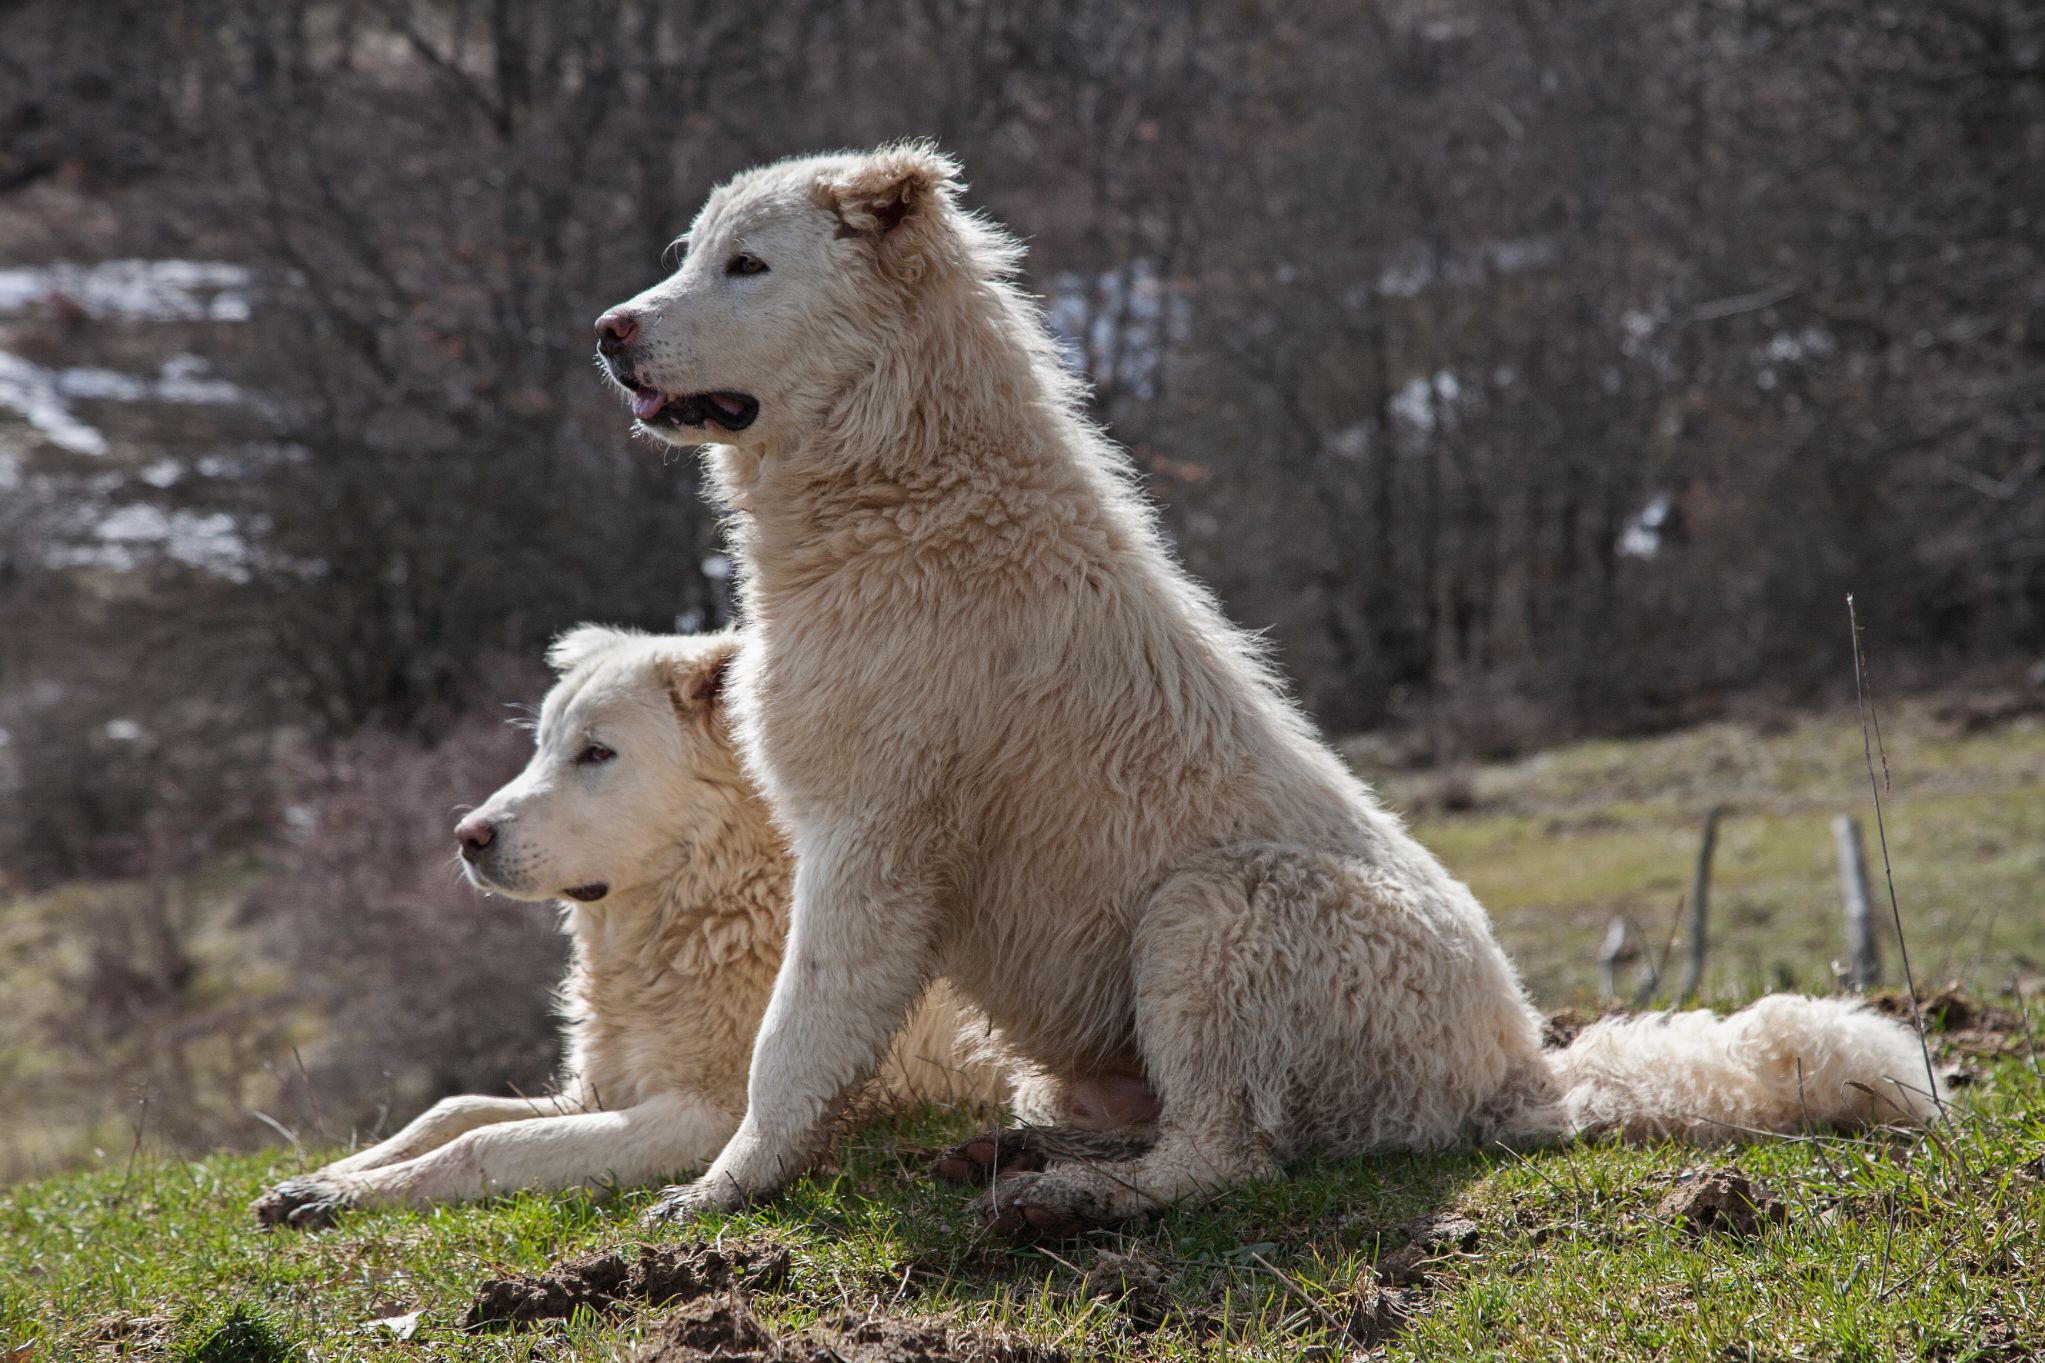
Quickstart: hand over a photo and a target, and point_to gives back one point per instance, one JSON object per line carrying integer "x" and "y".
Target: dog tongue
{"x": 646, "y": 403}
{"x": 728, "y": 406}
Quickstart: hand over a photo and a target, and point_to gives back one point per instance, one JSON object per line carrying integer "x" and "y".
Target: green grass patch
{"x": 1929, "y": 1248}
{"x": 239, "y": 1334}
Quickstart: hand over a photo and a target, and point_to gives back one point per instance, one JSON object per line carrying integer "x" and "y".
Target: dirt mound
{"x": 119, "y": 1336}
{"x": 608, "y": 1281}
{"x": 1429, "y": 1239}
{"x": 713, "y": 1328}
{"x": 1378, "y": 1309}
{"x": 1962, "y": 1023}
{"x": 1707, "y": 1201}
{"x": 1134, "y": 1283}
{"x": 724, "y": 1330}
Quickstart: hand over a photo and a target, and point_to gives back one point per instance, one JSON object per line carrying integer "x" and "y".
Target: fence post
{"x": 1700, "y": 905}
{"x": 1863, "y": 952}
{"x": 1617, "y": 951}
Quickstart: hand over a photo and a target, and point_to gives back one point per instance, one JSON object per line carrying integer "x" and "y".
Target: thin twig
{"x": 1534, "y": 1169}
{"x": 1888, "y": 1246}
{"x": 1330, "y": 1319}
{"x": 312, "y": 1100}
{"x": 1700, "y": 907}
{"x": 1811, "y": 1127}
{"x": 141, "y": 1124}
{"x": 1654, "y": 970}
{"x": 1945, "y": 1248}
{"x": 1647, "y": 991}
{"x": 290, "y": 1136}
{"x": 1863, "y": 696}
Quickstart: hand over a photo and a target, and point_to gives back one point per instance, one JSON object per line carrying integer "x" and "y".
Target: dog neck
{"x": 729, "y": 886}
{"x": 961, "y": 436}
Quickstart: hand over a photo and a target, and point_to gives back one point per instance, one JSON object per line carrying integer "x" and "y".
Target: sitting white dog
{"x": 634, "y": 812}
{"x": 1016, "y": 746}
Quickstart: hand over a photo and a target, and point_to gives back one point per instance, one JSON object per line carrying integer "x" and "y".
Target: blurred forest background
{"x": 1531, "y": 372}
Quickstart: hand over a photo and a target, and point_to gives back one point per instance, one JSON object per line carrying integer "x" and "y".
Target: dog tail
{"x": 1783, "y": 1065}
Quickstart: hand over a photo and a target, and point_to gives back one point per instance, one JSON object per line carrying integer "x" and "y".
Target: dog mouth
{"x": 694, "y": 411}
{"x": 481, "y": 882}
{"x": 478, "y": 880}
{"x": 588, "y": 894}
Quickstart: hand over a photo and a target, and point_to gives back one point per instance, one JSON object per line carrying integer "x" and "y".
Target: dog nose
{"x": 615, "y": 330}
{"x": 474, "y": 836}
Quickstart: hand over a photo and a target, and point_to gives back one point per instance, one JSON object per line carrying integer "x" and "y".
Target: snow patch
{"x": 1645, "y": 529}
{"x": 44, "y": 397}
{"x": 128, "y": 536}
{"x": 143, "y": 290}
{"x": 1788, "y": 347}
{"x": 33, "y": 391}
{"x": 1421, "y": 402}
{"x": 1418, "y": 267}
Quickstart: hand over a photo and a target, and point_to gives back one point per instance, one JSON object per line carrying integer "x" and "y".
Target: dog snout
{"x": 616, "y": 329}
{"x": 475, "y": 836}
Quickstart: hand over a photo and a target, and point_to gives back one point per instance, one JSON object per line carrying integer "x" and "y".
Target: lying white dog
{"x": 633, "y": 811}
{"x": 1016, "y": 746}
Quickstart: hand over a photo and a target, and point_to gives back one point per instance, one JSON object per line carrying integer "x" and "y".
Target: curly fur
{"x": 1016, "y": 745}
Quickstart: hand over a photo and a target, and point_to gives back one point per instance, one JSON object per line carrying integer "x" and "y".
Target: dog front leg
{"x": 859, "y": 954}
{"x": 444, "y": 1121}
{"x": 668, "y": 1134}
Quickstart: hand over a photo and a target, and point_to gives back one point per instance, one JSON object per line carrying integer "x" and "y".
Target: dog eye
{"x": 745, "y": 263}
{"x": 595, "y": 755}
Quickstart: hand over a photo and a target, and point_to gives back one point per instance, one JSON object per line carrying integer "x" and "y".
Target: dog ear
{"x": 890, "y": 188}
{"x": 572, "y": 648}
{"x": 696, "y": 684}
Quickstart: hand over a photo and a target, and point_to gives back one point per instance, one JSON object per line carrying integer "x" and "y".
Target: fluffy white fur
{"x": 1015, "y": 745}
{"x": 672, "y": 964}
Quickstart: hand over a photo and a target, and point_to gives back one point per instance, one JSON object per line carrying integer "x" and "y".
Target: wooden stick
{"x": 1700, "y": 902}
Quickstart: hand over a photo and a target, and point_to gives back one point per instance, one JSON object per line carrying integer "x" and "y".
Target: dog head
{"x": 787, "y": 269}
{"x": 632, "y": 766}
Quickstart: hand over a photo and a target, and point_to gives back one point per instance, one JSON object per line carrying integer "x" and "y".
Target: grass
{"x": 1558, "y": 844}
{"x": 1931, "y": 1249}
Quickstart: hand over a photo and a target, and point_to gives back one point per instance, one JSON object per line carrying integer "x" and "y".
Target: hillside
{"x": 1838, "y": 1248}
{"x": 1916, "y": 1249}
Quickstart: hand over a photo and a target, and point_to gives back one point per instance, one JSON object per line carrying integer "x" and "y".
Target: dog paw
{"x": 685, "y": 1201}
{"x": 1037, "y": 1206}
{"x": 988, "y": 1156}
{"x": 1031, "y": 1149}
{"x": 307, "y": 1203}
